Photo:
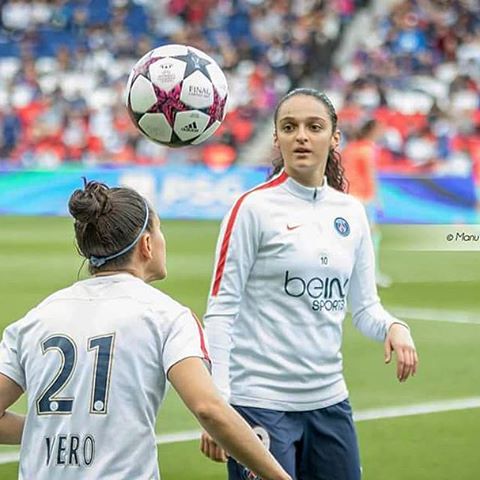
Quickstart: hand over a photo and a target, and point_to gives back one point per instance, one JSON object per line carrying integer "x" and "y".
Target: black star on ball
{"x": 194, "y": 63}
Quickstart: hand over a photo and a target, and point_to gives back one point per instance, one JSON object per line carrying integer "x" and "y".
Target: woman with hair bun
{"x": 94, "y": 358}
{"x": 290, "y": 253}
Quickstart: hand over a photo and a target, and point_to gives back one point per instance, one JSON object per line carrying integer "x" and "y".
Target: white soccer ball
{"x": 176, "y": 95}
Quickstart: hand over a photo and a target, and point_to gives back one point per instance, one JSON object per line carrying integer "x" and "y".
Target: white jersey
{"x": 287, "y": 259}
{"x": 93, "y": 359}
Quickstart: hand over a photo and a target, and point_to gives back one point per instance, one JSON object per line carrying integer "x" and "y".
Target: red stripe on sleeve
{"x": 203, "y": 344}
{"x": 228, "y": 231}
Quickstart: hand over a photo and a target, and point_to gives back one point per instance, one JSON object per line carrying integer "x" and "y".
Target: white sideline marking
{"x": 360, "y": 416}
{"x": 431, "y": 314}
{"x": 9, "y": 457}
{"x": 178, "y": 437}
{"x": 417, "y": 409}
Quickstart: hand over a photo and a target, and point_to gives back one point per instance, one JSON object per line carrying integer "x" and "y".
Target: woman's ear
{"x": 335, "y": 141}
{"x": 275, "y": 140}
{"x": 145, "y": 245}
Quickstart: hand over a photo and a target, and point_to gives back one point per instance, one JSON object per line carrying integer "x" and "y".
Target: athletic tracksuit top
{"x": 288, "y": 259}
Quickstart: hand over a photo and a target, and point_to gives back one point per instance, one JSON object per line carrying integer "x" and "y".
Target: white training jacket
{"x": 94, "y": 359}
{"x": 288, "y": 258}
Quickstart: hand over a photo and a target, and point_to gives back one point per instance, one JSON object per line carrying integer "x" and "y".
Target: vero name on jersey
{"x": 70, "y": 450}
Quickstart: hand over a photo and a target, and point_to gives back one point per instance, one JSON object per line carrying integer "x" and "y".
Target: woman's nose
{"x": 301, "y": 133}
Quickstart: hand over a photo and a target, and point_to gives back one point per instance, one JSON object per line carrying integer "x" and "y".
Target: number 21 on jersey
{"x": 49, "y": 402}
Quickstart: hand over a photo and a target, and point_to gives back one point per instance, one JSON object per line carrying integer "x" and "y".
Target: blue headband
{"x": 99, "y": 261}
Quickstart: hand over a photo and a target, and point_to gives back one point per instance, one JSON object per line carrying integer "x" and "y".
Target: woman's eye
{"x": 315, "y": 127}
{"x": 288, "y": 127}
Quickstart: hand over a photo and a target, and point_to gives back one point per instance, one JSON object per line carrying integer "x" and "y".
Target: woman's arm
{"x": 368, "y": 314}
{"x": 236, "y": 251}
{"x": 193, "y": 383}
{"x": 11, "y": 424}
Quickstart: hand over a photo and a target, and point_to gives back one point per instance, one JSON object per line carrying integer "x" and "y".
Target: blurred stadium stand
{"x": 416, "y": 69}
{"x": 64, "y": 65}
{"x": 414, "y": 65}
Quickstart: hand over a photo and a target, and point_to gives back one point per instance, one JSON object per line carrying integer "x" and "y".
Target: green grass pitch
{"x": 37, "y": 257}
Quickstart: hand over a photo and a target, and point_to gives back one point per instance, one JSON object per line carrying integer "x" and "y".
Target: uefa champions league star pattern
{"x": 176, "y": 95}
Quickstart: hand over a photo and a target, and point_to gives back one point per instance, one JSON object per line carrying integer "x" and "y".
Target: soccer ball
{"x": 176, "y": 95}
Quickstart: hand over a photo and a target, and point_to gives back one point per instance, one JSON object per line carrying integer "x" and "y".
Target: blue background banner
{"x": 436, "y": 200}
{"x": 188, "y": 192}
{"x": 199, "y": 193}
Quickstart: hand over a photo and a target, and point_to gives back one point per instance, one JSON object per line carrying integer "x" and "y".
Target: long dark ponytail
{"x": 334, "y": 170}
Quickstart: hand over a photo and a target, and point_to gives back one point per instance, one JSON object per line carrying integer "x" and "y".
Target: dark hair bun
{"x": 89, "y": 204}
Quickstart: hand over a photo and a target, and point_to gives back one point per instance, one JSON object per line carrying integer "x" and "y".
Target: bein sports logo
{"x": 326, "y": 294}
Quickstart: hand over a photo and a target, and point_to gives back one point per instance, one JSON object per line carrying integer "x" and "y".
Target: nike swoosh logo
{"x": 293, "y": 227}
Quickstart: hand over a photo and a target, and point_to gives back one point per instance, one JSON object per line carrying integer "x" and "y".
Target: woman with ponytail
{"x": 290, "y": 253}
{"x": 94, "y": 358}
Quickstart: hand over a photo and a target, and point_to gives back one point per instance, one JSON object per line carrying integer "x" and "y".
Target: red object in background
{"x": 242, "y": 130}
{"x": 219, "y": 156}
{"x": 240, "y": 127}
{"x": 123, "y": 123}
{"x": 473, "y": 148}
{"x": 350, "y": 114}
{"x": 53, "y": 147}
{"x": 359, "y": 161}
{"x": 176, "y": 7}
{"x": 405, "y": 124}
{"x": 194, "y": 11}
{"x": 198, "y": 10}
{"x": 236, "y": 124}
{"x": 476, "y": 117}
{"x": 30, "y": 112}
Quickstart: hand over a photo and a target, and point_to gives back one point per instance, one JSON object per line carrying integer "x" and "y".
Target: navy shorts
{"x": 313, "y": 445}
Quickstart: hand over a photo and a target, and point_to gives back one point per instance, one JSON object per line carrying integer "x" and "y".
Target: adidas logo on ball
{"x": 191, "y": 127}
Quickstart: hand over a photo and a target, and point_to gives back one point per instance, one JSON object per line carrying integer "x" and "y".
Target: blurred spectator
{"x": 360, "y": 160}
{"x": 417, "y": 71}
{"x": 420, "y": 148}
{"x": 16, "y": 15}
{"x": 9, "y": 133}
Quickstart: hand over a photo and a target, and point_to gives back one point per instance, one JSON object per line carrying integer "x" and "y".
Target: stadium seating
{"x": 418, "y": 65}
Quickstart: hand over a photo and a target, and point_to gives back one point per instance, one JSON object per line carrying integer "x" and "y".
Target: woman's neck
{"x": 107, "y": 273}
{"x": 308, "y": 179}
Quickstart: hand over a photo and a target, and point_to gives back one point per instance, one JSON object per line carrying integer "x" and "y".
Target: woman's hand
{"x": 399, "y": 340}
{"x": 210, "y": 449}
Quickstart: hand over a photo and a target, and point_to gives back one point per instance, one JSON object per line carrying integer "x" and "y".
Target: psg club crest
{"x": 342, "y": 226}
{"x": 263, "y": 435}
{"x": 249, "y": 475}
